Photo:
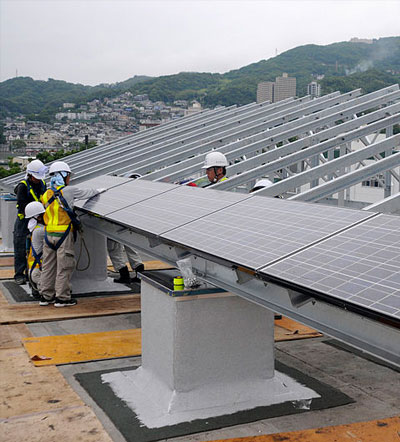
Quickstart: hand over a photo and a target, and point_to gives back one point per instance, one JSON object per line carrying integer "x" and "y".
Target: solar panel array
{"x": 342, "y": 253}
{"x": 360, "y": 265}
{"x": 175, "y": 151}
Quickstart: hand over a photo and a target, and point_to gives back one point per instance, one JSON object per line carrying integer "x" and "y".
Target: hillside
{"x": 345, "y": 65}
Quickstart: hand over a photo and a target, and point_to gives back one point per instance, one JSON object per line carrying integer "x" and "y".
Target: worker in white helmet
{"x": 34, "y": 213}
{"x": 31, "y": 188}
{"x": 215, "y": 164}
{"x": 60, "y": 232}
{"x": 261, "y": 184}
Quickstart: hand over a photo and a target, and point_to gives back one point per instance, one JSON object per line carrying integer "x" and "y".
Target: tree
{"x": 2, "y": 137}
{"x": 18, "y": 144}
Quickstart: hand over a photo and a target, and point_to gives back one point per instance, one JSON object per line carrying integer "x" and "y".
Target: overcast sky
{"x": 106, "y": 41}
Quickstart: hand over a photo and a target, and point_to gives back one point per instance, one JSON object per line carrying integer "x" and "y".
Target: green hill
{"x": 345, "y": 66}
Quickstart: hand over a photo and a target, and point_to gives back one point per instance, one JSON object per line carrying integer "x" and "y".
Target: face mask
{"x": 32, "y": 224}
{"x": 57, "y": 180}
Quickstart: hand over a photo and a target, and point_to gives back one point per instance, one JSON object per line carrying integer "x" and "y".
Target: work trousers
{"x": 118, "y": 257}
{"x": 19, "y": 238}
{"x": 57, "y": 268}
{"x": 34, "y": 278}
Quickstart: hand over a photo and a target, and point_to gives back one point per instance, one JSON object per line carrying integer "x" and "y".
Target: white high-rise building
{"x": 314, "y": 89}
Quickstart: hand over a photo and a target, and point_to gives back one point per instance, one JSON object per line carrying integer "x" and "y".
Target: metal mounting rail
{"x": 377, "y": 336}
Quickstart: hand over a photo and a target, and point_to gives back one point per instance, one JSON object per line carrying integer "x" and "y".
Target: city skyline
{"x": 94, "y": 41}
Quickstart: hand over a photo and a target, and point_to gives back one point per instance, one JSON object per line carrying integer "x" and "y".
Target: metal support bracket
{"x": 299, "y": 299}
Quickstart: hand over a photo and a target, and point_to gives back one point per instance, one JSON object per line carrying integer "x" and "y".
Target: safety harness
{"x": 34, "y": 258}
{"x": 59, "y": 217}
{"x": 32, "y": 193}
{"x": 222, "y": 179}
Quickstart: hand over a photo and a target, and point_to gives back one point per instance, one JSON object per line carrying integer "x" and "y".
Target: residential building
{"x": 314, "y": 89}
{"x": 285, "y": 87}
{"x": 265, "y": 91}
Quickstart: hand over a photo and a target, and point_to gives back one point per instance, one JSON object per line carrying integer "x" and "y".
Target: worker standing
{"x": 60, "y": 232}
{"x": 34, "y": 213}
{"x": 118, "y": 258}
{"x": 31, "y": 188}
{"x": 215, "y": 164}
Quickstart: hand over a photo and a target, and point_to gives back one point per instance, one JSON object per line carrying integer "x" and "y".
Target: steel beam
{"x": 325, "y": 169}
{"x": 375, "y": 337}
{"x": 352, "y": 178}
{"x": 291, "y": 153}
{"x": 390, "y": 205}
{"x": 267, "y": 139}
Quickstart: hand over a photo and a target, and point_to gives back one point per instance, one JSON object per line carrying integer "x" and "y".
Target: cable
{"x": 82, "y": 241}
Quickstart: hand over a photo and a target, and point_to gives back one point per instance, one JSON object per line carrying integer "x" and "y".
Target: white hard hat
{"x": 33, "y": 209}
{"x": 263, "y": 184}
{"x": 215, "y": 159}
{"x": 59, "y": 166}
{"x": 37, "y": 169}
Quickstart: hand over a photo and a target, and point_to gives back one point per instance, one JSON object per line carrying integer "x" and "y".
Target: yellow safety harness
{"x": 32, "y": 193}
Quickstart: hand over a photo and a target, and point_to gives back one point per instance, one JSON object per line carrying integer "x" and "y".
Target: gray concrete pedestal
{"x": 90, "y": 276}
{"x": 202, "y": 356}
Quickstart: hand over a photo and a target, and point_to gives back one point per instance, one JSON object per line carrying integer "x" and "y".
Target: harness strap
{"x": 62, "y": 239}
{"x": 36, "y": 262}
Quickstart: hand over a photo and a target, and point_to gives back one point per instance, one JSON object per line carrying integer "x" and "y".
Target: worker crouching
{"x": 34, "y": 213}
{"x": 60, "y": 233}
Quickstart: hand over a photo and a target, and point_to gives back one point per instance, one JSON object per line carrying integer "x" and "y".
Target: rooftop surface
{"x": 49, "y": 399}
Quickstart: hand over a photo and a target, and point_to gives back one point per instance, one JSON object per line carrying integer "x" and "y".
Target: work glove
{"x": 21, "y": 216}
{"x": 101, "y": 190}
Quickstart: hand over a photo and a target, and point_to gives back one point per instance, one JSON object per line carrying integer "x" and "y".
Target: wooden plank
{"x": 86, "y": 307}
{"x": 6, "y": 261}
{"x": 148, "y": 265}
{"x": 6, "y": 273}
{"x": 67, "y": 349}
{"x": 3, "y": 299}
{"x": 286, "y": 330}
{"x": 381, "y": 430}
{"x": 70, "y": 424}
{"x": 28, "y": 389}
{"x": 11, "y": 335}
{"x": 156, "y": 265}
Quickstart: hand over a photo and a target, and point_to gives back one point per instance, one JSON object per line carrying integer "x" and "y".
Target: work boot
{"x": 138, "y": 269}
{"x": 124, "y": 277}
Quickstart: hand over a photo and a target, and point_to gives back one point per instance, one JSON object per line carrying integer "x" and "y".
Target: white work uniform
{"x": 118, "y": 257}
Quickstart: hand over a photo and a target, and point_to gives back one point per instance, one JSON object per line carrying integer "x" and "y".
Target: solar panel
{"x": 259, "y": 230}
{"x": 360, "y": 265}
{"x": 105, "y": 181}
{"x": 175, "y": 208}
{"x": 123, "y": 195}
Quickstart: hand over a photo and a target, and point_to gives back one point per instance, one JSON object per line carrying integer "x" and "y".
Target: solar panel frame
{"x": 262, "y": 230}
{"x": 352, "y": 266}
{"x": 123, "y": 195}
{"x": 173, "y": 209}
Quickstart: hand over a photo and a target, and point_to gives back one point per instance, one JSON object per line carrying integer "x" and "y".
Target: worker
{"x": 34, "y": 213}
{"x": 215, "y": 164}
{"x": 31, "y": 188}
{"x": 60, "y": 232}
{"x": 261, "y": 184}
{"x": 118, "y": 258}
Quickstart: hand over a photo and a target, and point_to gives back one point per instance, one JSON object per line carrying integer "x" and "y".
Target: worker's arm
{"x": 22, "y": 199}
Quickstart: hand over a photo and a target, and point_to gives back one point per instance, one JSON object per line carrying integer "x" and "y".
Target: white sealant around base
{"x": 157, "y": 406}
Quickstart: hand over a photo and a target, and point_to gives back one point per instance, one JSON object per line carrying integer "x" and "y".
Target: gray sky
{"x": 105, "y": 41}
